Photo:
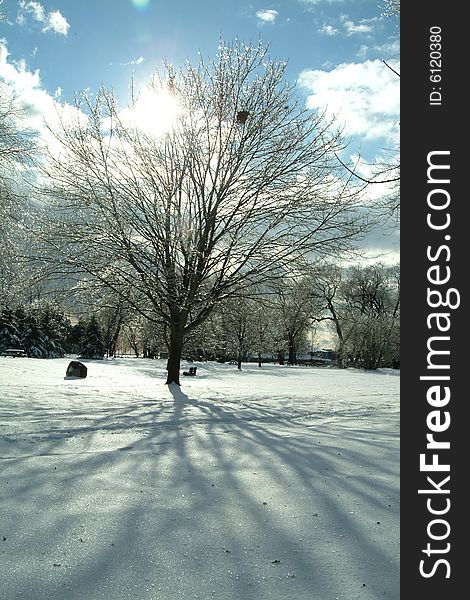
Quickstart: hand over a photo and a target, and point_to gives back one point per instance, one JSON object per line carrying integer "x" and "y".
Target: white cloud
{"x": 16, "y": 74}
{"x": 57, "y": 23}
{"x": 352, "y": 28}
{"x": 40, "y": 106}
{"x": 365, "y": 97}
{"x": 362, "y": 26}
{"x": 391, "y": 48}
{"x": 53, "y": 21}
{"x": 155, "y": 110}
{"x": 267, "y": 16}
{"x": 363, "y": 50}
{"x": 137, "y": 61}
{"x": 35, "y": 9}
{"x": 328, "y": 30}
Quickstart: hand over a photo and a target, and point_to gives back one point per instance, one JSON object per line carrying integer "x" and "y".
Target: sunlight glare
{"x": 155, "y": 111}
{"x": 140, "y": 3}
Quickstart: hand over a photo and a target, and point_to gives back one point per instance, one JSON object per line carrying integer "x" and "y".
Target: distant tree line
{"x": 210, "y": 240}
{"x": 359, "y": 306}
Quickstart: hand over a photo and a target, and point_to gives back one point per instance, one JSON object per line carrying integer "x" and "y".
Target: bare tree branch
{"x": 189, "y": 215}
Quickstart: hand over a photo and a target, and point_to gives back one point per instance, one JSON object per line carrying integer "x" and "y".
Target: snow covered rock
{"x": 76, "y": 369}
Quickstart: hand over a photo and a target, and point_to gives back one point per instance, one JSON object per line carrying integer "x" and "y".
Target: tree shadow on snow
{"x": 210, "y": 489}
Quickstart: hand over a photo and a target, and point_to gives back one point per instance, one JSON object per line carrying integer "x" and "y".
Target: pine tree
{"x": 74, "y": 338}
{"x": 54, "y": 325}
{"x": 53, "y": 349}
{"x": 20, "y": 318}
{"x": 33, "y": 340}
{"x": 8, "y": 331}
{"x": 93, "y": 345}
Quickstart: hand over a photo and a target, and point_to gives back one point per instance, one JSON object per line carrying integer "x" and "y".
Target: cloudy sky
{"x": 51, "y": 49}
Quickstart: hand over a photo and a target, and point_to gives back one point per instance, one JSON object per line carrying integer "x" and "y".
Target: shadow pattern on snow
{"x": 190, "y": 497}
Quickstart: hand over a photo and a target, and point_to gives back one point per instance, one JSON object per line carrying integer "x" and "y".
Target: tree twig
{"x": 362, "y": 178}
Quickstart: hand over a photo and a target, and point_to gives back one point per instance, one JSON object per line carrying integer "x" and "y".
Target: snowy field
{"x": 274, "y": 483}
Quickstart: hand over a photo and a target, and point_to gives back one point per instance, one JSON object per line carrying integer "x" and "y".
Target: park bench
{"x": 191, "y": 372}
{"x": 15, "y": 352}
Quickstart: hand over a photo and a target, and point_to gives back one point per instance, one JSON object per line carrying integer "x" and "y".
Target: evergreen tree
{"x": 20, "y": 320}
{"x": 8, "y": 331}
{"x": 53, "y": 323}
{"x": 53, "y": 349}
{"x": 33, "y": 340}
{"x": 93, "y": 345}
{"x": 74, "y": 338}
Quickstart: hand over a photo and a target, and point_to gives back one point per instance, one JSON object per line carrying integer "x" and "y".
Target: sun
{"x": 156, "y": 111}
{"x": 140, "y": 3}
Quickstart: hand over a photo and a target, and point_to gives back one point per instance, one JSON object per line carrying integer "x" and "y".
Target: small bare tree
{"x": 326, "y": 287}
{"x": 295, "y": 307}
{"x": 238, "y": 187}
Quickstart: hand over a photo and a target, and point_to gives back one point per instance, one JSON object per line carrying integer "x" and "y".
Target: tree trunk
{"x": 340, "y": 359}
{"x": 292, "y": 350}
{"x": 176, "y": 350}
{"x": 239, "y": 361}
{"x": 114, "y": 341}
{"x": 259, "y": 359}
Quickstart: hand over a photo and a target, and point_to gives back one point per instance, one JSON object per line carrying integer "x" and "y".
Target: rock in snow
{"x": 76, "y": 369}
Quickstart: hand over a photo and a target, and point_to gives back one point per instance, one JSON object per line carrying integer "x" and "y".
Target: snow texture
{"x": 273, "y": 483}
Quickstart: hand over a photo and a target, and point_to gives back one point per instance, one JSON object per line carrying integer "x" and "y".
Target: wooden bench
{"x": 15, "y": 352}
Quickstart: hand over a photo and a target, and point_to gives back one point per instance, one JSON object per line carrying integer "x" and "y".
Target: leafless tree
{"x": 363, "y": 302}
{"x": 237, "y": 322}
{"x": 111, "y": 318}
{"x": 295, "y": 307}
{"x": 372, "y": 298}
{"x": 246, "y": 326}
{"x": 326, "y": 285}
{"x": 240, "y": 187}
{"x": 16, "y": 154}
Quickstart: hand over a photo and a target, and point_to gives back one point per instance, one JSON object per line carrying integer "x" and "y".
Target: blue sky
{"x": 100, "y": 38}
{"x": 51, "y": 49}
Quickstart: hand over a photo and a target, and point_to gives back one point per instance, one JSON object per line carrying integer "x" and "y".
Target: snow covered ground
{"x": 273, "y": 483}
